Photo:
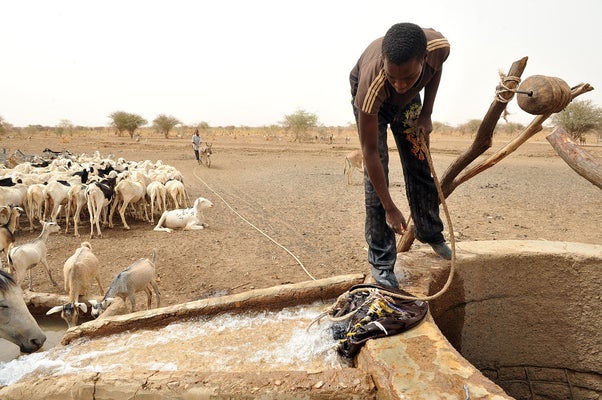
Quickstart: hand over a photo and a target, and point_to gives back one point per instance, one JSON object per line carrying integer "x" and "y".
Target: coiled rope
{"x": 504, "y": 88}
{"x": 252, "y": 225}
{"x": 373, "y": 292}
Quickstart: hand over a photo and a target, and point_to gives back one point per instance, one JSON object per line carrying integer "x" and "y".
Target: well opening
{"x": 529, "y": 321}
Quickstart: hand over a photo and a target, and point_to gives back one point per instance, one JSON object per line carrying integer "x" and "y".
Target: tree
{"x": 470, "y": 127}
{"x": 65, "y": 126}
{"x": 123, "y": 121}
{"x": 4, "y": 126}
{"x": 164, "y": 124}
{"x": 441, "y": 127}
{"x": 512, "y": 127}
{"x": 300, "y": 122}
{"x": 32, "y": 129}
{"x": 579, "y": 117}
{"x": 203, "y": 125}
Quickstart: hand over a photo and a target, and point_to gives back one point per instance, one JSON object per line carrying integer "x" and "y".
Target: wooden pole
{"x": 534, "y": 127}
{"x": 481, "y": 143}
{"x": 576, "y": 157}
{"x": 457, "y": 172}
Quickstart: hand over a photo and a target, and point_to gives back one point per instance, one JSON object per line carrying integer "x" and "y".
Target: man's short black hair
{"x": 403, "y": 42}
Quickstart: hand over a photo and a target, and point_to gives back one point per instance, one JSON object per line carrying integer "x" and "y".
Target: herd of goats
{"x": 60, "y": 182}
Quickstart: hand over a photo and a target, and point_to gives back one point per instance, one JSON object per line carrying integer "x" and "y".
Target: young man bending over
{"x": 385, "y": 85}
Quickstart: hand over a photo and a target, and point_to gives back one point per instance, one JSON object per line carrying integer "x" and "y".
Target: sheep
{"x": 104, "y": 170}
{"x": 353, "y": 160}
{"x": 76, "y": 199}
{"x": 9, "y": 181}
{"x": 82, "y": 174}
{"x": 51, "y": 153}
{"x": 17, "y": 325}
{"x": 57, "y": 194}
{"x": 35, "y": 203}
{"x": 23, "y": 258}
{"x": 156, "y": 192}
{"x": 79, "y": 272}
{"x": 99, "y": 195}
{"x": 7, "y": 231}
{"x": 139, "y": 276}
{"x": 177, "y": 193}
{"x": 5, "y": 214}
{"x": 187, "y": 218}
{"x": 15, "y": 195}
{"x": 128, "y": 192}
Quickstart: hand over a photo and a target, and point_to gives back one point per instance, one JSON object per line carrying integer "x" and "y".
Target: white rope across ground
{"x": 252, "y": 225}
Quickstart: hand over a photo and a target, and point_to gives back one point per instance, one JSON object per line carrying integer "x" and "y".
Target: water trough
{"x": 525, "y": 312}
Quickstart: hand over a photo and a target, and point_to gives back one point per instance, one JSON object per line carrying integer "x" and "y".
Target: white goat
{"x": 15, "y": 195}
{"x": 99, "y": 196}
{"x": 79, "y": 271}
{"x": 128, "y": 192}
{"x": 76, "y": 199}
{"x": 7, "y": 231}
{"x": 157, "y": 193}
{"x": 4, "y": 214}
{"x": 57, "y": 194}
{"x": 23, "y": 258}
{"x": 35, "y": 203}
{"x": 177, "y": 193}
{"x": 188, "y": 219}
{"x": 140, "y": 276}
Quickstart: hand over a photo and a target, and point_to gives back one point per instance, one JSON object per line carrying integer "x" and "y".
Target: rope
{"x": 427, "y": 152}
{"x": 253, "y": 226}
{"x": 373, "y": 291}
{"x": 452, "y": 238}
{"x": 503, "y": 88}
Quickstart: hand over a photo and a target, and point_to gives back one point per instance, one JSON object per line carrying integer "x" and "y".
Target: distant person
{"x": 196, "y": 145}
{"x": 385, "y": 86}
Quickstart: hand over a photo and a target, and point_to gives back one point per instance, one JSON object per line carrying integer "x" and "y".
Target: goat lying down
{"x": 140, "y": 276}
{"x": 185, "y": 218}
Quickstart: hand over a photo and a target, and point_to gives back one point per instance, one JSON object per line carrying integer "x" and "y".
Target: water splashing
{"x": 223, "y": 343}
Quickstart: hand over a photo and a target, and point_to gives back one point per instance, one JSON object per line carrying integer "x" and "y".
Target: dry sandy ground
{"x": 275, "y": 199}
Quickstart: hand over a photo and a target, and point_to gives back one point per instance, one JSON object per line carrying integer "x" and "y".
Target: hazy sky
{"x": 253, "y": 62}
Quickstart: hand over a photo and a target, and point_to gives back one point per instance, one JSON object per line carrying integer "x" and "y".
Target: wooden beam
{"x": 576, "y": 157}
{"x": 481, "y": 143}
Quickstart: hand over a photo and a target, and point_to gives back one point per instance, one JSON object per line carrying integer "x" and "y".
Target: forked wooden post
{"x": 458, "y": 172}
{"x": 481, "y": 143}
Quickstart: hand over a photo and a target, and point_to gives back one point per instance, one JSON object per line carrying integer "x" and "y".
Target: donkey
{"x": 17, "y": 325}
